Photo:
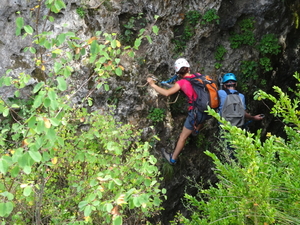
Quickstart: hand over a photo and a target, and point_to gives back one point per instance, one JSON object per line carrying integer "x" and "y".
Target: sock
{"x": 172, "y": 160}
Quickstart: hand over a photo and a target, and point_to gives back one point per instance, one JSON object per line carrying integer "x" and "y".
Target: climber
{"x": 182, "y": 69}
{"x": 232, "y": 104}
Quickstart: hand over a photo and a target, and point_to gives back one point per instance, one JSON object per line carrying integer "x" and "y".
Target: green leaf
{"x": 149, "y": 39}
{"x": 137, "y": 43}
{"x": 106, "y": 87}
{"x": 57, "y": 67}
{"x": 52, "y": 96}
{"x": 61, "y": 38}
{"x": 118, "y": 182}
{"x": 27, "y": 169}
{"x": 18, "y": 31}
{"x": 62, "y": 84}
{"x": 119, "y": 71}
{"x": 113, "y": 44}
{"x": 38, "y": 86}
{"x": 15, "y": 171}
{"x": 82, "y": 204}
{"x": 5, "y": 112}
{"x": 155, "y": 29}
{"x": 94, "y": 48}
{"x": 7, "y": 81}
{"x": 51, "y": 18}
{"x": 131, "y": 54}
{"x": 117, "y": 220}
{"x": 3, "y": 166}
{"x": 55, "y": 122}
{"x": 5, "y": 208}
{"x": 20, "y": 22}
{"x": 27, "y": 191}
{"x": 28, "y": 29}
{"x": 37, "y": 101}
{"x": 87, "y": 210}
{"x": 32, "y": 122}
{"x": 109, "y": 207}
{"x": 32, "y": 50}
{"x": 35, "y": 155}
{"x": 47, "y": 102}
{"x": 51, "y": 135}
{"x": 60, "y": 4}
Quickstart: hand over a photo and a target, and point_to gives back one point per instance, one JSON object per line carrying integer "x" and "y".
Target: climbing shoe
{"x": 168, "y": 157}
{"x": 195, "y": 132}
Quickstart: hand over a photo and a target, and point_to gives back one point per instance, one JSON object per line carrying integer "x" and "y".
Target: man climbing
{"x": 195, "y": 118}
{"x": 229, "y": 82}
{"x": 232, "y": 105}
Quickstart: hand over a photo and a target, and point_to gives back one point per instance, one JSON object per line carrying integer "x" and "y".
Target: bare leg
{"x": 181, "y": 141}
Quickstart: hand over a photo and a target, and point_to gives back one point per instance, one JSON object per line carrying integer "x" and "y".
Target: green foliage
{"x": 193, "y": 17}
{"x": 265, "y": 62}
{"x": 210, "y": 16}
{"x": 130, "y": 33}
{"x": 219, "y": 54}
{"x": 186, "y": 31}
{"x": 59, "y": 163}
{"x": 156, "y": 115}
{"x": 201, "y": 140}
{"x": 249, "y": 71}
{"x": 269, "y": 45}
{"x": 218, "y": 65}
{"x": 81, "y": 12}
{"x": 245, "y": 35}
{"x": 262, "y": 185}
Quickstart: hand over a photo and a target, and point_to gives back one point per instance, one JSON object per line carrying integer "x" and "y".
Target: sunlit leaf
{"x": 106, "y": 87}
{"x": 87, "y": 210}
{"x": 27, "y": 191}
{"x": 137, "y": 43}
{"x": 155, "y": 29}
{"x": 38, "y": 86}
{"x": 35, "y": 155}
{"x": 113, "y": 44}
{"x": 109, "y": 207}
{"x": 3, "y": 166}
{"x": 62, "y": 84}
{"x": 28, "y": 29}
{"x": 5, "y": 208}
{"x": 119, "y": 71}
{"x": 117, "y": 220}
{"x": 20, "y": 22}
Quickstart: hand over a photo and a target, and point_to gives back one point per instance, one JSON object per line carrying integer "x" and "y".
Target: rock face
{"x": 208, "y": 47}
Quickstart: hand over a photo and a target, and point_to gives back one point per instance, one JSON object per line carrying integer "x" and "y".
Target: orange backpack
{"x": 207, "y": 92}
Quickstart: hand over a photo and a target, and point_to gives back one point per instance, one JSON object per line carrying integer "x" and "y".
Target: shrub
{"x": 262, "y": 185}
{"x": 61, "y": 164}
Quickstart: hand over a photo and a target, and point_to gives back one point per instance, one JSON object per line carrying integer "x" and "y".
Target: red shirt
{"x": 188, "y": 90}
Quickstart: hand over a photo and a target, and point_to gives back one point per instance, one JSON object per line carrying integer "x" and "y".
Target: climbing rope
{"x": 163, "y": 83}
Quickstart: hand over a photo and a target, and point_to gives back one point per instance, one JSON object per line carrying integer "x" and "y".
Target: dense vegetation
{"x": 262, "y": 185}
{"x": 62, "y": 164}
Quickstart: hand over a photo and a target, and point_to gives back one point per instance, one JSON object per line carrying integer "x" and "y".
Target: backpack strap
{"x": 229, "y": 93}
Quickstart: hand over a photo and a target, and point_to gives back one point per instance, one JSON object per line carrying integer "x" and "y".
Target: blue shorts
{"x": 190, "y": 120}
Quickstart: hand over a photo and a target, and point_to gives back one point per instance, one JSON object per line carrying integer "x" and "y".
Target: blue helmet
{"x": 227, "y": 77}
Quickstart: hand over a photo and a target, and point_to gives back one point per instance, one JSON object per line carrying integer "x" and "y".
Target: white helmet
{"x": 181, "y": 62}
